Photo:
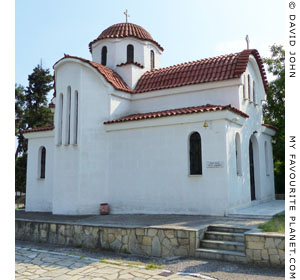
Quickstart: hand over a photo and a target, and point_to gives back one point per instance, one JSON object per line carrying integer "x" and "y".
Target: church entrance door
{"x": 251, "y": 162}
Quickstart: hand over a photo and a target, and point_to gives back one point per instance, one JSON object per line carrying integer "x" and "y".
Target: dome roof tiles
{"x": 124, "y": 30}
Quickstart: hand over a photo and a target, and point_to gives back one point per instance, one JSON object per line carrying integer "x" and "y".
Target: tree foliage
{"x": 274, "y": 111}
{"x": 31, "y": 111}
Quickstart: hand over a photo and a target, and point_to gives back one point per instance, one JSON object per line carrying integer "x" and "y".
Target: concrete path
{"x": 138, "y": 220}
{"x": 263, "y": 210}
{"x": 37, "y": 261}
{"x": 44, "y": 265}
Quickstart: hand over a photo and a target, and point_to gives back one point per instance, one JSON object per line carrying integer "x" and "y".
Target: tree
{"x": 274, "y": 111}
{"x": 31, "y": 111}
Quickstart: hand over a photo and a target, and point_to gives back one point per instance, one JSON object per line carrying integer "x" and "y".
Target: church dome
{"x": 123, "y": 30}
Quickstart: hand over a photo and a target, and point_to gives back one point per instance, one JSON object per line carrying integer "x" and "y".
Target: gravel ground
{"x": 214, "y": 269}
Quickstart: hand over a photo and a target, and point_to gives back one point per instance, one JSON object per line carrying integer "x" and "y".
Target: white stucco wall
{"x": 38, "y": 190}
{"x": 149, "y": 167}
{"x": 143, "y": 166}
{"x": 117, "y": 54}
{"x": 78, "y": 168}
{"x": 239, "y": 186}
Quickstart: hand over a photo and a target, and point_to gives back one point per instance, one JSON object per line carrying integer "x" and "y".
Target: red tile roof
{"x": 123, "y": 30}
{"x": 270, "y": 126}
{"x": 128, "y": 63}
{"x": 38, "y": 129}
{"x": 177, "y": 112}
{"x": 110, "y": 75}
{"x": 201, "y": 71}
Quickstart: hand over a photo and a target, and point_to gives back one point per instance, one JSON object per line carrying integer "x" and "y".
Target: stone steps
{"x": 225, "y": 236}
{"x": 221, "y": 228}
{"x": 223, "y": 255}
{"x": 223, "y": 245}
{"x": 249, "y": 216}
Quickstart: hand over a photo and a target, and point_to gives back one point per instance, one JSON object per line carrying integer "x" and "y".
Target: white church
{"x": 185, "y": 139}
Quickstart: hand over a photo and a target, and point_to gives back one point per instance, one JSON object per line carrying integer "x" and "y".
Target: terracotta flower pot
{"x": 104, "y": 209}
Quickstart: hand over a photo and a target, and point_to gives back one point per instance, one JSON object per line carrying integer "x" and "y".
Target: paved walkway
{"x": 138, "y": 220}
{"x": 259, "y": 209}
{"x": 44, "y": 265}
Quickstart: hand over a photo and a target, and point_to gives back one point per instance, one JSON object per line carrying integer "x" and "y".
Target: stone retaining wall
{"x": 145, "y": 241}
{"x": 265, "y": 248}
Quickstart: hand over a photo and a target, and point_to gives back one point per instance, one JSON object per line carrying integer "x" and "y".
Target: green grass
{"x": 276, "y": 224}
{"x": 153, "y": 266}
{"x": 131, "y": 263}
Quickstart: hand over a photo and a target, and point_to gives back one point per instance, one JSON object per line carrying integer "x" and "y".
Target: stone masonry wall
{"x": 144, "y": 241}
{"x": 264, "y": 248}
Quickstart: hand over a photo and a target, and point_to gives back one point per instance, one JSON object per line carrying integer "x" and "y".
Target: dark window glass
{"x": 249, "y": 86}
{"x": 69, "y": 116}
{"x": 130, "y": 54}
{"x": 104, "y": 55}
{"x": 43, "y": 162}
{"x": 76, "y": 117}
{"x": 195, "y": 154}
{"x": 152, "y": 60}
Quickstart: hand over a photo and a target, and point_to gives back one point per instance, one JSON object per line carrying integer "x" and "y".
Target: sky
{"x": 187, "y": 30}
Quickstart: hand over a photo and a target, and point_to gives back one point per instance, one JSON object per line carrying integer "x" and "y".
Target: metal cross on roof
{"x": 248, "y": 41}
{"x": 127, "y": 15}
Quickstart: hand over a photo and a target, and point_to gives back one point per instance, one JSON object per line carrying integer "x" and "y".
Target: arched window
{"x": 267, "y": 159}
{"x": 60, "y": 119}
{"x": 104, "y": 55}
{"x": 195, "y": 154}
{"x": 75, "y": 118}
{"x": 130, "y": 53}
{"x": 42, "y": 162}
{"x": 152, "y": 61}
{"x": 238, "y": 155}
{"x": 68, "y": 116}
{"x": 253, "y": 92}
{"x": 249, "y": 88}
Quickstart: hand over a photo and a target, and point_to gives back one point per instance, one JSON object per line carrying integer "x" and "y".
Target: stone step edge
{"x": 225, "y": 233}
{"x": 211, "y": 227}
{"x": 222, "y": 252}
{"x": 248, "y": 216}
{"x": 223, "y": 242}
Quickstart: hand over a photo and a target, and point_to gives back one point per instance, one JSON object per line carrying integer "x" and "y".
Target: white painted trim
{"x": 85, "y": 64}
{"x": 187, "y": 89}
{"x": 267, "y": 130}
{"x": 174, "y": 120}
{"x": 39, "y": 134}
{"x": 116, "y": 40}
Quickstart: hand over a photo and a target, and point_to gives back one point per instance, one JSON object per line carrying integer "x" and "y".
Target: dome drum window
{"x": 104, "y": 56}
{"x": 130, "y": 53}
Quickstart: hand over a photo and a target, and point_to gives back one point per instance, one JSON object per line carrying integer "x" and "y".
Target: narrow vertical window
{"x": 244, "y": 87}
{"x": 130, "y": 53}
{"x": 60, "y": 119}
{"x": 152, "y": 59}
{"x": 253, "y": 92}
{"x": 238, "y": 155}
{"x": 267, "y": 159}
{"x": 76, "y": 117}
{"x": 195, "y": 154}
{"x": 68, "y": 116}
{"x": 249, "y": 88}
{"x": 43, "y": 163}
{"x": 104, "y": 55}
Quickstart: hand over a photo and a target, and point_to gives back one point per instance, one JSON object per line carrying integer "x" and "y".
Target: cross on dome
{"x": 248, "y": 41}
{"x": 127, "y": 15}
